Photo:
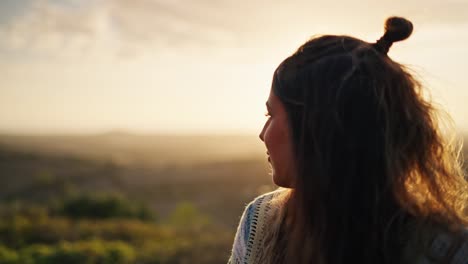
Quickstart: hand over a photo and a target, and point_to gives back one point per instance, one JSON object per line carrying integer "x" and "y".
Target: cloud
{"x": 120, "y": 26}
{"x": 171, "y": 25}
{"x": 49, "y": 28}
{"x": 127, "y": 28}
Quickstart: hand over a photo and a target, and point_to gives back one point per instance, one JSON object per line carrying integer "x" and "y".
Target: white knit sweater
{"x": 251, "y": 228}
{"x": 441, "y": 248}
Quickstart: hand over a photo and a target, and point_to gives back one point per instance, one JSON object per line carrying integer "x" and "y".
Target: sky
{"x": 199, "y": 66}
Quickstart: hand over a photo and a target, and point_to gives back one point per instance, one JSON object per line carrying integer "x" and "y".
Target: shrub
{"x": 104, "y": 207}
{"x": 82, "y": 252}
{"x": 8, "y": 256}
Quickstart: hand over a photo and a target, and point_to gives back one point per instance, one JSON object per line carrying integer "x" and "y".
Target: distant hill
{"x": 212, "y": 171}
{"x": 147, "y": 150}
{"x": 35, "y": 172}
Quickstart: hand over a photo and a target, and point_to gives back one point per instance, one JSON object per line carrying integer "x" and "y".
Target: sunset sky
{"x": 199, "y": 66}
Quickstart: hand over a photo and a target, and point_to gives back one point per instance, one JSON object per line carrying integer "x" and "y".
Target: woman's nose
{"x": 262, "y": 133}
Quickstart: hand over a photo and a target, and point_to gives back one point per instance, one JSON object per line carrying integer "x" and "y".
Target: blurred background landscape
{"x": 123, "y": 198}
{"x": 129, "y": 129}
{"x": 126, "y": 198}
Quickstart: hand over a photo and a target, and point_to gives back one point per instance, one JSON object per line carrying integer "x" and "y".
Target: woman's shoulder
{"x": 252, "y": 226}
{"x": 265, "y": 199}
{"x": 260, "y": 208}
{"x": 449, "y": 246}
{"x": 440, "y": 245}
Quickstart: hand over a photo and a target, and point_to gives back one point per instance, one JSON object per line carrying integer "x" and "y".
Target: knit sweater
{"x": 251, "y": 228}
{"x": 440, "y": 247}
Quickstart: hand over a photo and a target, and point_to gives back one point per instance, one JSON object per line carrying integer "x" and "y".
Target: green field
{"x": 122, "y": 198}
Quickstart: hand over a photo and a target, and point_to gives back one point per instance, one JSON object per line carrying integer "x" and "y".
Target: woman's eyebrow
{"x": 267, "y": 105}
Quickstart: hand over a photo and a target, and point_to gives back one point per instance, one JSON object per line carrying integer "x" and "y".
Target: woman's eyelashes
{"x": 267, "y": 114}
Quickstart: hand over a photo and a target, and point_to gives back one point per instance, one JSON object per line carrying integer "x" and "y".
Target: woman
{"x": 365, "y": 174}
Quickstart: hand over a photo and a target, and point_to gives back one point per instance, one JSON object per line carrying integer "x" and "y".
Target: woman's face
{"x": 276, "y": 136}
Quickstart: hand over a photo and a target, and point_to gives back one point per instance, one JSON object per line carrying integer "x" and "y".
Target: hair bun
{"x": 396, "y": 29}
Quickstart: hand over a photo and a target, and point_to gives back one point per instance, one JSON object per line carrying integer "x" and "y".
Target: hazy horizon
{"x": 195, "y": 67}
{"x": 129, "y": 132}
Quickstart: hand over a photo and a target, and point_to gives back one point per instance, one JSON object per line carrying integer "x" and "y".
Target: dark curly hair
{"x": 370, "y": 154}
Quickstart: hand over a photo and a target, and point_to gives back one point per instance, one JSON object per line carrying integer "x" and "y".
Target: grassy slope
{"x": 219, "y": 174}
{"x": 217, "y": 180}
